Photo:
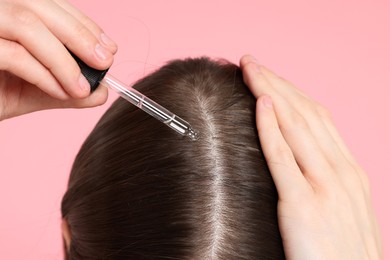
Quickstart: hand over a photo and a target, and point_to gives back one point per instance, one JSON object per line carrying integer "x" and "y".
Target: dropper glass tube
{"x": 101, "y": 77}
{"x": 149, "y": 106}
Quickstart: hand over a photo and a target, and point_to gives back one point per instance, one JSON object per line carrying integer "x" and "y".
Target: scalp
{"x": 173, "y": 198}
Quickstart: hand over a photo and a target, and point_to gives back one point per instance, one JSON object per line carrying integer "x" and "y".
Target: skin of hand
{"x": 324, "y": 207}
{"x": 36, "y": 70}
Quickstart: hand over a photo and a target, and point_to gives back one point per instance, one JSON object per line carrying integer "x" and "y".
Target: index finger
{"x": 74, "y": 34}
{"x": 289, "y": 180}
{"x": 295, "y": 125}
{"x": 29, "y": 30}
{"x": 317, "y": 117}
{"x": 90, "y": 24}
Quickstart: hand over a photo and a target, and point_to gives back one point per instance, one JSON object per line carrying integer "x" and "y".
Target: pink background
{"x": 336, "y": 51}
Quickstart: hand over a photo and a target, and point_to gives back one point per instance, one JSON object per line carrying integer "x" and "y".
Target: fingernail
{"x": 107, "y": 40}
{"x": 102, "y": 52}
{"x": 267, "y": 102}
{"x": 84, "y": 84}
{"x": 253, "y": 59}
{"x": 255, "y": 64}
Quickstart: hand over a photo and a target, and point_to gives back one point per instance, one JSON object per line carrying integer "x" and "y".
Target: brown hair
{"x": 138, "y": 190}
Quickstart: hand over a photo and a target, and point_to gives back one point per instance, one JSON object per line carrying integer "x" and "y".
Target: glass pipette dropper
{"x": 97, "y": 77}
{"x": 149, "y": 106}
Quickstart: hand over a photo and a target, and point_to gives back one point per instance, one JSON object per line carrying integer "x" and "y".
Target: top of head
{"x": 139, "y": 190}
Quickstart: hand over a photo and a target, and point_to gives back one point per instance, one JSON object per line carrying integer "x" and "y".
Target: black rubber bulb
{"x": 93, "y": 76}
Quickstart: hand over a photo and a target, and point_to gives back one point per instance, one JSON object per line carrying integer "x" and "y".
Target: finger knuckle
{"x": 336, "y": 196}
{"x": 280, "y": 155}
{"x": 24, "y": 16}
{"x": 81, "y": 31}
{"x": 352, "y": 181}
{"x": 307, "y": 104}
{"x": 11, "y": 52}
{"x": 15, "y": 49}
{"x": 323, "y": 112}
{"x": 88, "y": 23}
{"x": 294, "y": 121}
{"x": 41, "y": 81}
{"x": 85, "y": 39}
